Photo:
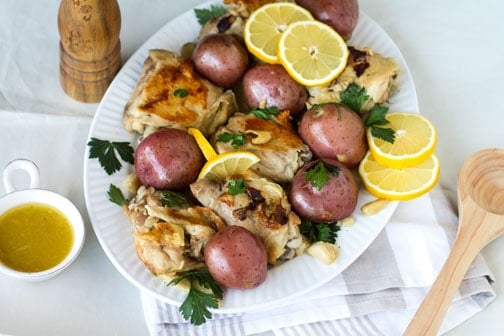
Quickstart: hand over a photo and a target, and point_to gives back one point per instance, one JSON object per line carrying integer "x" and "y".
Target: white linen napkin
{"x": 377, "y": 295}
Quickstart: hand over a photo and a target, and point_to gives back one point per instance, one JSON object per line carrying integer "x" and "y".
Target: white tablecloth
{"x": 453, "y": 48}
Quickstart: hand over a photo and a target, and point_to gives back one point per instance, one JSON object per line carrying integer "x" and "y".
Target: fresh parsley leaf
{"x": 326, "y": 232}
{"x": 354, "y": 97}
{"x": 377, "y": 116}
{"x": 173, "y": 199}
{"x": 386, "y": 134}
{"x": 264, "y": 113}
{"x": 182, "y": 93}
{"x": 236, "y": 186}
{"x": 204, "y": 15}
{"x": 105, "y": 151}
{"x": 116, "y": 196}
{"x": 236, "y": 139}
{"x": 195, "y": 307}
{"x": 318, "y": 174}
{"x": 206, "y": 280}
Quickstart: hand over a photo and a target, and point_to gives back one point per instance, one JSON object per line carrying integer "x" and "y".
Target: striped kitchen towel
{"x": 377, "y": 295}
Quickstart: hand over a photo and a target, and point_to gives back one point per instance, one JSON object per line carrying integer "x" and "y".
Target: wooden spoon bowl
{"x": 482, "y": 177}
{"x": 481, "y": 219}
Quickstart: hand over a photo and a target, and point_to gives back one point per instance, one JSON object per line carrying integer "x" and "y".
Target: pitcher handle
{"x": 20, "y": 164}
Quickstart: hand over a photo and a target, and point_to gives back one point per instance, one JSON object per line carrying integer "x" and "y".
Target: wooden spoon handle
{"x": 471, "y": 238}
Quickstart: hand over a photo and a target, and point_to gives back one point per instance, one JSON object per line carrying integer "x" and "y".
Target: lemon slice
{"x": 265, "y": 26}
{"x": 203, "y": 144}
{"x": 312, "y": 52}
{"x": 220, "y": 166}
{"x": 415, "y": 140}
{"x": 226, "y": 164}
{"x": 399, "y": 184}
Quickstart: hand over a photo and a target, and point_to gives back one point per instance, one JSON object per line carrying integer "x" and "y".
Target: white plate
{"x": 284, "y": 282}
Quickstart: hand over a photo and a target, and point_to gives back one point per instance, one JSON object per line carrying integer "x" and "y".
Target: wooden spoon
{"x": 481, "y": 219}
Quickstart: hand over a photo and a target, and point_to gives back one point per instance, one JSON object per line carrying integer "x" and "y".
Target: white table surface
{"x": 454, "y": 49}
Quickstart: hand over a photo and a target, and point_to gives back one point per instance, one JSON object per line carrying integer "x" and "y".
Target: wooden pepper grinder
{"x": 90, "y": 49}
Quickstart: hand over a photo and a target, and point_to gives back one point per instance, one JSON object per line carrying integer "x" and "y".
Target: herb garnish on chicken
{"x": 237, "y": 139}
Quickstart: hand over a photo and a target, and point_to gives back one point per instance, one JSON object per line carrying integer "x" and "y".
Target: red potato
{"x": 334, "y": 131}
{"x": 222, "y": 58}
{"x": 272, "y": 83}
{"x": 168, "y": 159}
{"x": 341, "y": 15}
{"x": 236, "y": 258}
{"x": 334, "y": 201}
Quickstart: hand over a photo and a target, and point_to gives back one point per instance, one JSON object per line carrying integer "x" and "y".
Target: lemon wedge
{"x": 205, "y": 147}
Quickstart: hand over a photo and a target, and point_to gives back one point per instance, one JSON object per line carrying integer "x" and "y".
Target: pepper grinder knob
{"x": 90, "y": 49}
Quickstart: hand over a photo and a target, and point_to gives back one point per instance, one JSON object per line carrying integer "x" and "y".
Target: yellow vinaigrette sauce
{"x": 34, "y": 237}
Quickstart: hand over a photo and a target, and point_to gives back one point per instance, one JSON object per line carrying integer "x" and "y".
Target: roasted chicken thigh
{"x": 263, "y": 209}
{"x": 377, "y": 74}
{"x": 170, "y": 93}
{"x": 274, "y": 141}
{"x": 170, "y": 240}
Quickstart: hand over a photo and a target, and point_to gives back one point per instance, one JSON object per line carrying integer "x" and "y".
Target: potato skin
{"x": 168, "y": 159}
{"x": 341, "y": 15}
{"x": 272, "y": 83}
{"x": 221, "y": 58}
{"x": 335, "y": 201}
{"x": 334, "y": 131}
{"x": 236, "y": 258}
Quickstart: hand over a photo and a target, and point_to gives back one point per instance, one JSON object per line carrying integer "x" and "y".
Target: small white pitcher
{"x": 33, "y": 194}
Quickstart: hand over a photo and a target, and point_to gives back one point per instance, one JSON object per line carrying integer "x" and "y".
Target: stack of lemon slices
{"x": 220, "y": 166}
{"x": 284, "y": 33}
{"x": 406, "y": 168}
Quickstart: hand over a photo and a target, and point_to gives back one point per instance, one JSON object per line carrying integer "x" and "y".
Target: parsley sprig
{"x": 116, "y": 196}
{"x": 195, "y": 307}
{"x": 182, "y": 93}
{"x": 355, "y": 97}
{"x": 173, "y": 199}
{"x": 264, "y": 113}
{"x": 377, "y": 118}
{"x": 326, "y": 232}
{"x": 106, "y": 152}
{"x": 206, "y": 14}
{"x": 237, "y": 139}
{"x": 236, "y": 186}
{"x": 318, "y": 174}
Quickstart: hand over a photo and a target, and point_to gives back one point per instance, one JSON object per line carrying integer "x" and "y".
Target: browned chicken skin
{"x": 155, "y": 102}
